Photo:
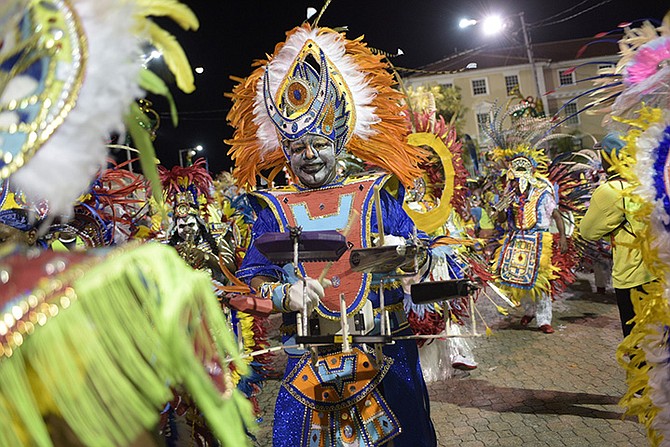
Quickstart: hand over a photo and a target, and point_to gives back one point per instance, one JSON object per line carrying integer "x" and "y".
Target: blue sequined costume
{"x": 402, "y": 386}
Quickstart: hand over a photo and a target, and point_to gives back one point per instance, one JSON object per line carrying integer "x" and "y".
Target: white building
{"x": 494, "y": 74}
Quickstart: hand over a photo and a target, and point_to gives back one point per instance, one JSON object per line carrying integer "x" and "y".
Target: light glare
{"x": 492, "y": 25}
{"x": 199, "y": 70}
{"x": 464, "y": 23}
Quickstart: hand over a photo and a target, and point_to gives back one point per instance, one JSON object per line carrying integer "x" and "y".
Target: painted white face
{"x": 522, "y": 170}
{"x": 187, "y": 227}
{"x": 312, "y": 159}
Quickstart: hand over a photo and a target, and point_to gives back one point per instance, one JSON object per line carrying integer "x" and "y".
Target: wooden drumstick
{"x": 378, "y": 212}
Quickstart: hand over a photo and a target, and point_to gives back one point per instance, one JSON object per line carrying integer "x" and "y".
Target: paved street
{"x": 532, "y": 389}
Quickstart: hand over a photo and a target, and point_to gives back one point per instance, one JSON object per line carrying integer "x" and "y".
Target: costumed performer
{"x": 612, "y": 214}
{"x": 195, "y": 229}
{"x": 188, "y": 193}
{"x": 435, "y": 204}
{"x": 317, "y": 97}
{"x": 238, "y": 216}
{"x": 525, "y": 264}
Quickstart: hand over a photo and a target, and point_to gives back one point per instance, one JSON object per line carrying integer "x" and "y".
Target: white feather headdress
{"x": 346, "y": 84}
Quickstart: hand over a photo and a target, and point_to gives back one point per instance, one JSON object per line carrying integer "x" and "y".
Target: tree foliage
{"x": 444, "y": 100}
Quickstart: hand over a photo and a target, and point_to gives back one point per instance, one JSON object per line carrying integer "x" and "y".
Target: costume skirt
{"x": 402, "y": 388}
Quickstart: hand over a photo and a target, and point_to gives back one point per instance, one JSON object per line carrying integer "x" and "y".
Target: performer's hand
{"x": 563, "y": 243}
{"x": 392, "y": 240}
{"x": 193, "y": 256}
{"x": 313, "y": 292}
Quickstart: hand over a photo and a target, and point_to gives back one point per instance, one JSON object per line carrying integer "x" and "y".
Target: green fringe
{"x": 106, "y": 363}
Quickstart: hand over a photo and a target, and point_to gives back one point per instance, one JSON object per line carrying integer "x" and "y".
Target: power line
{"x": 604, "y": 2}
{"x": 188, "y": 118}
{"x": 540, "y": 22}
{"x": 514, "y": 34}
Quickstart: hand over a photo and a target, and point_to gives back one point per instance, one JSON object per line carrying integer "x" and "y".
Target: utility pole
{"x": 531, "y": 61}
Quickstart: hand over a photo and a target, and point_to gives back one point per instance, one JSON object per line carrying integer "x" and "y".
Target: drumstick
{"x": 354, "y": 214}
{"x": 378, "y": 212}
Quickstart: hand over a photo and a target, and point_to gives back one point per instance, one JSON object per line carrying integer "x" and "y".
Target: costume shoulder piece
{"x": 388, "y": 182}
{"x": 133, "y": 322}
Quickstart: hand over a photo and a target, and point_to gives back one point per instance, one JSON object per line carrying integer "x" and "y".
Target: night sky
{"x": 234, "y": 33}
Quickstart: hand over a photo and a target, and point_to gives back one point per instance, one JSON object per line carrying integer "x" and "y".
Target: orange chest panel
{"x": 346, "y": 206}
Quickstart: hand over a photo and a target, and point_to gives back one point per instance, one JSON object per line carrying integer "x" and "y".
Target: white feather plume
{"x": 62, "y": 169}
{"x": 657, "y": 353}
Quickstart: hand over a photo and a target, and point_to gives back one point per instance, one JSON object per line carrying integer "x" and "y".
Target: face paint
{"x": 312, "y": 159}
{"x": 187, "y": 228}
{"x": 522, "y": 171}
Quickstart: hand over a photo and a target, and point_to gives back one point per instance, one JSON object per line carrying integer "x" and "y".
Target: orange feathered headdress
{"x": 320, "y": 82}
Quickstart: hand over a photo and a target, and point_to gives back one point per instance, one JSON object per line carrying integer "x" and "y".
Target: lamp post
{"x": 190, "y": 152}
{"x": 493, "y": 25}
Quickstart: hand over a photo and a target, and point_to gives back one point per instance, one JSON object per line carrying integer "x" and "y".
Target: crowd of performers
{"x": 161, "y": 285}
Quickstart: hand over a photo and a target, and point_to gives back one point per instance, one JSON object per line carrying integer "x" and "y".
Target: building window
{"x": 512, "y": 85}
{"x": 479, "y": 87}
{"x": 448, "y": 85}
{"x": 566, "y": 77}
{"x": 483, "y": 124}
{"x": 568, "y": 110}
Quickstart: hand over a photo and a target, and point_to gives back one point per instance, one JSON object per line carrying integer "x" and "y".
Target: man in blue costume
{"x": 319, "y": 96}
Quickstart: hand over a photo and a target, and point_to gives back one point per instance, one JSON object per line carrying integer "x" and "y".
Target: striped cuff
{"x": 278, "y": 293}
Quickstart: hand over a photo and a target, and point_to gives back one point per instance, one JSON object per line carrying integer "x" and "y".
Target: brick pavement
{"x": 532, "y": 389}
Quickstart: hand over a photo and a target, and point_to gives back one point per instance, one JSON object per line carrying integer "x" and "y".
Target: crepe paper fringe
{"x": 431, "y": 323}
{"x": 254, "y": 336}
{"x": 566, "y": 263}
{"x": 141, "y": 323}
{"x": 644, "y": 354}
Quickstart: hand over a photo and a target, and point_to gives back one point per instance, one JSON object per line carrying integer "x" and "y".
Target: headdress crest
{"x": 320, "y": 82}
{"x": 520, "y": 140}
{"x": 187, "y": 189}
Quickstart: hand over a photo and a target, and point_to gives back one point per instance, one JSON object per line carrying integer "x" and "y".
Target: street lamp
{"x": 190, "y": 152}
{"x": 495, "y": 24}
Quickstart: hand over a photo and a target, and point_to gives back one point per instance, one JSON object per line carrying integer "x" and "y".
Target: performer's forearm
{"x": 559, "y": 222}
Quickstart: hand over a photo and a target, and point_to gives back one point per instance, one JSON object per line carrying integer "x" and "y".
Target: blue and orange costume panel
{"x": 344, "y": 396}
